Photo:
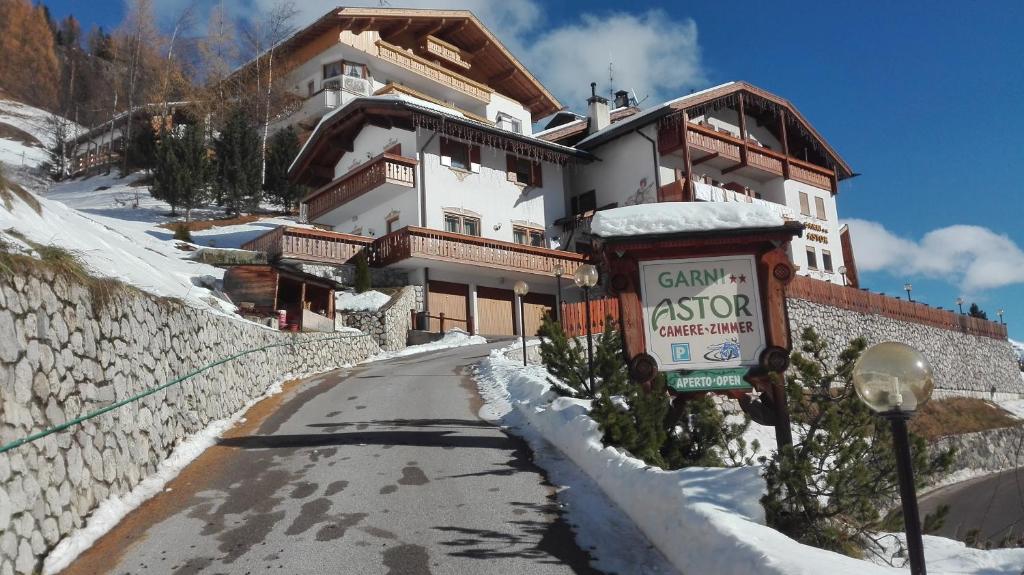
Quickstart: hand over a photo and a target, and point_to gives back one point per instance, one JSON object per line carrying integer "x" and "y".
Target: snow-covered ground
{"x": 15, "y": 148}
{"x": 704, "y": 520}
{"x": 453, "y": 338}
{"x": 367, "y": 301}
{"x": 674, "y": 217}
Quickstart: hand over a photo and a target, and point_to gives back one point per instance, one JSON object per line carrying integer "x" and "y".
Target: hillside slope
{"x": 25, "y": 134}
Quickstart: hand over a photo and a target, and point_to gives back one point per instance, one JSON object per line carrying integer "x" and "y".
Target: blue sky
{"x": 921, "y": 98}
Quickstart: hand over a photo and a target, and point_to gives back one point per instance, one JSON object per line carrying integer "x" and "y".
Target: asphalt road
{"x": 383, "y": 468}
{"x": 994, "y": 504}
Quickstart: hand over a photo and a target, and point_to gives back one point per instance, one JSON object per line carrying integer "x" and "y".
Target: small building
{"x": 263, "y": 291}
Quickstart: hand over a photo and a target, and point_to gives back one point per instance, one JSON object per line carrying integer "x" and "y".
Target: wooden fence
{"x": 574, "y": 318}
{"x": 858, "y": 300}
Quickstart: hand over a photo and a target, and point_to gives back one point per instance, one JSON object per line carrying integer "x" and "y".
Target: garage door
{"x": 452, "y": 300}
{"x": 534, "y": 308}
{"x": 494, "y": 308}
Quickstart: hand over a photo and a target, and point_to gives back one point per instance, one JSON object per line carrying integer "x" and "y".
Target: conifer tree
{"x": 181, "y": 169}
{"x": 237, "y": 150}
{"x": 977, "y": 312}
{"x": 827, "y": 490}
{"x": 29, "y": 70}
{"x": 363, "y": 281}
{"x": 283, "y": 147}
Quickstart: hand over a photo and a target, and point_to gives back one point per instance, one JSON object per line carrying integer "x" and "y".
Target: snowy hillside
{"x": 1019, "y": 348}
{"x": 25, "y": 134}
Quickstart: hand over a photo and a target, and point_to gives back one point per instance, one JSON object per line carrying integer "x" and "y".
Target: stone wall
{"x": 64, "y": 353}
{"x": 390, "y": 325}
{"x": 990, "y": 451}
{"x": 345, "y": 274}
{"x": 964, "y": 364}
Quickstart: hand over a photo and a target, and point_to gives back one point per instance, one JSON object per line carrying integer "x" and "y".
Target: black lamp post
{"x": 960, "y": 304}
{"x": 521, "y": 290}
{"x": 1000, "y": 314}
{"x": 894, "y": 380}
{"x": 907, "y": 287}
{"x": 586, "y": 278}
{"x": 559, "y": 271}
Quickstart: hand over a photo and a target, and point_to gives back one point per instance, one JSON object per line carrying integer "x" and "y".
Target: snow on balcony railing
{"x": 708, "y": 193}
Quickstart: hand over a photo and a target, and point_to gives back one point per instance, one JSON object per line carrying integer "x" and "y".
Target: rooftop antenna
{"x": 611, "y": 78}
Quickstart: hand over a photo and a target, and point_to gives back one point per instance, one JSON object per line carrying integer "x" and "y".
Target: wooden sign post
{"x": 708, "y": 309}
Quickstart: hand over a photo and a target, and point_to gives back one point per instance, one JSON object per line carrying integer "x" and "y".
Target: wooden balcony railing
{"x": 710, "y": 141}
{"x": 383, "y": 169}
{"x": 434, "y": 46}
{"x": 810, "y": 174}
{"x": 432, "y": 71}
{"x": 765, "y": 160}
{"x": 413, "y": 242}
{"x": 877, "y": 304}
{"x": 308, "y": 245}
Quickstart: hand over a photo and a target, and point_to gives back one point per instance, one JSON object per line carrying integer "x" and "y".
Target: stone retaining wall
{"x": 992, "y": 450}
{"x": 964, "y": 364}
{"x": 63, "y": 354}
{"x": 390, "y": 325}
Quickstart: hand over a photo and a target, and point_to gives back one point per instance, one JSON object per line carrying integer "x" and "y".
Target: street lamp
{"x": 521, "y": 290}
{"x": 559, "y": 272}
{"x": 894, "y": 379}
{"x": 999, "y": 312}
{"x": 586, "y": 278}
{"x": 960, "y": 304}
{"x": 907, "y": 287}
{"x": 842, "y": 272}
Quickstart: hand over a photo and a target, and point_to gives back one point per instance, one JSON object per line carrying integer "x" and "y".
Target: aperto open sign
{"x": 708, "y": 379}
{"x": 702, "y": 314}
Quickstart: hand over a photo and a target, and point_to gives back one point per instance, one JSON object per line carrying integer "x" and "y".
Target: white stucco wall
{"x": 831, "y": 224}
{"x": 490, "y": 194}
{"x": 625, "y": 173}
{"x": 501, "y": 104}
{"x": 370, "y": 142}
{"x": 729, "y": 119}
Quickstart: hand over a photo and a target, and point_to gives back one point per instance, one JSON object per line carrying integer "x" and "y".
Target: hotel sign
{"x": 703, "y": 314}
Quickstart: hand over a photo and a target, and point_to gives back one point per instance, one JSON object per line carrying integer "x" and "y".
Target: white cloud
{"x": 973, "y": 258}
{"x": 652, "y": 54}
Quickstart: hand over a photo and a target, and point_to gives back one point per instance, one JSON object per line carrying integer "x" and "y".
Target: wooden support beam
{"x": 733, "y": 168}
{"x": 396, "y": 29}
{"x": 381, "y": 122}
{"x": 690, "y": 190}
{"x": 703, "y": 159}
{"x": 785, "y": 143}
{"x": 479, "y": 47}
{"x": 743, "y": 132}
{"x": 432, "y": 30}
{"x": 322, "y": 172}
{"x": 502, "y": 76}
{"x": 363, "y": 26}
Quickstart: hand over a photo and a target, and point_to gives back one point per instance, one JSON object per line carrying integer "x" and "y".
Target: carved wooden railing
{"x": 383, "y": 169}
{"x": 452, "y": 54}
{"x": 810, "y": 174}
{"x": 765, "y": 160}
{"x": 432, "y": 71}
{"x": 308, "y": 245}
{"x": 413, "y": 242}
{"x": 865, "y": 302}
{"x": 711, "y": 142}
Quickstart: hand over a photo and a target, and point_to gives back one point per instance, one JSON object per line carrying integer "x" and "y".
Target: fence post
{"x": 440, "y": 316}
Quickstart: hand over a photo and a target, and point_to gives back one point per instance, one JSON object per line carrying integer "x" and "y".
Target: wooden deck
{"x": 308, "y": 244}
{"x": 383, "y": 169}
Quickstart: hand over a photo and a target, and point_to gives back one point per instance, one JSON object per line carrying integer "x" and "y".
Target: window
{"x": 528, "y": 236}
{"x": 460, "y": 155}
{"x": 826, "y": 260}
{"x": 392, "y": 222}
{"x": 812, "y": 259}
{"x": 332, "y": 70}
{"x": 506, "y": 122}
{"x": 460, "y": 224}
{"x": 805, "y": 207}
{"x": 819, "y": 208}
{"x": 523, "y": 171}
{"x": 585, "y": 202}
{"x": 355, "y": 70}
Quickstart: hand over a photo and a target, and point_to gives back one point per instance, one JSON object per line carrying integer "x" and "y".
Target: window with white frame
{"x": 506, "y": 122}
{"x": 826, "y": 260}
{"x": 461, "y": 224}
{"x": 528, "y": 236}
{"x": 819, "y": 208}
{"x": 812, "y": 259}
{"x": 460, "y": 155}
{"x": 805, "y": 206}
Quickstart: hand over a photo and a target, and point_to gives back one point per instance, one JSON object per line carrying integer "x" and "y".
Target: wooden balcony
{"x": 423, "y": 243}
{"x": 308, "y": 245}
{"x": 383, "y": 169}
{"x": 729, "y": 153}
{"x": 436, "y": 47}
{"x": 427, "y": 69}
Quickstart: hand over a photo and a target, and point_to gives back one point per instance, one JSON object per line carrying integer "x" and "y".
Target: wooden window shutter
{"x": 396, "y": 150}
{"x": 536, "y": 179}
{"x": 510, "y": 167}
{"x": 474, "y": 154}
{"x": 445, "y": 147}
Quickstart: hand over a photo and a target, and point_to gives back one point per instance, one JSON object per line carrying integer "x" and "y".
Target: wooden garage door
{"x": 494, "y": 311}
{"x": 452, "y": 300}
{"x": 534, "y": 308}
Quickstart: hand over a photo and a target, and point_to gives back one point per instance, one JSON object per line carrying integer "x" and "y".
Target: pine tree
{"x": 181, "y": 169}
{"x": 283, "y": 147}
{"x": 977, "y": 312}
{"x": 237, "y": 150}
{"x": 827, "y": 489}
{"x": 363, "y": 281}
{"x": 167, "y": 172}
{"x": 29, "y": 70}
{"x": 634, "y": 419}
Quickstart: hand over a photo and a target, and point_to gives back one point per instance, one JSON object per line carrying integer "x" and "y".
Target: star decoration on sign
{"x": 743, "y": 279}
{"x": 732, "y": 279}
{"x": 754, "y": 394}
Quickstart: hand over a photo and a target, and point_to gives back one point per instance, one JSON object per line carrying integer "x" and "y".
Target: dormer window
{"x": 506, "y": 122}
{"x": 341, "y": 67}
{"x": 523, "y": 171}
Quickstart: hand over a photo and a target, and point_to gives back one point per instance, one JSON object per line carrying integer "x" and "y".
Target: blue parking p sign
{"x": 680, "y": 352}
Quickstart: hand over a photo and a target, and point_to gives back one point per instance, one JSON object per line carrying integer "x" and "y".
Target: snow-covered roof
{"x": 678, "y": 217}
{"x": 643, "y": 118}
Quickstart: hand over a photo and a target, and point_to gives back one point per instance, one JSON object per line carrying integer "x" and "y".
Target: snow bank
{"x": 36, "y": 123}
{"x": 366, "y": 301}
{"x": 673, "y": 217}
{"x": 454, "y": 338}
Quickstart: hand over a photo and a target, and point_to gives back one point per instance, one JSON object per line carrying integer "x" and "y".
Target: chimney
{"x": 621, "y": 99}
{"x": 597, "y": 110}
